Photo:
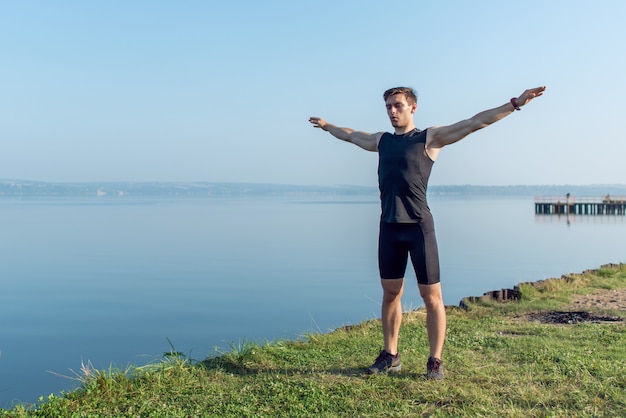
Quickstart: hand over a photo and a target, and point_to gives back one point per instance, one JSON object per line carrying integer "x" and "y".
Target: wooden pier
{"x": 574, "y": 205}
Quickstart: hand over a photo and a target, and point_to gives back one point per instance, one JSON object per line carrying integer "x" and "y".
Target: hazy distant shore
{"x": 24, "y": 188}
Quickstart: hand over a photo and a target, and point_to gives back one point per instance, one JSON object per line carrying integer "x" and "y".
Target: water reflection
{"x": 570, "y": 218}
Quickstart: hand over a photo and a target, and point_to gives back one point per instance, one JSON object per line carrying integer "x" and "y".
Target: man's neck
{"x": 401, "y": 130}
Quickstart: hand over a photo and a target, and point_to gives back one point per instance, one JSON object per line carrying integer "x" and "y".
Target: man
{"x": 406, "y": 224}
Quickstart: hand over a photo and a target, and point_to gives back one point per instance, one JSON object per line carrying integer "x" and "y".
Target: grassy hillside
{"x": 500, "y": 360}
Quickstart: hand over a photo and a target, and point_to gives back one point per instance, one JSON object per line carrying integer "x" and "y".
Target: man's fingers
{"x": 532, "y": 93}
{"x": 538, "y": 91}
{"x": 316, "y": 121}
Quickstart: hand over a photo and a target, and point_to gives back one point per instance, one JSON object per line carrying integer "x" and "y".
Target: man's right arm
{"x": 364, "y": 140}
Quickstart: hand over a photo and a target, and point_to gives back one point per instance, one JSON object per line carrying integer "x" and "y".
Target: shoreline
{"x": 602, "y": 299}
{"x": 323, "y": 375}
{"x": 598, "y": 301}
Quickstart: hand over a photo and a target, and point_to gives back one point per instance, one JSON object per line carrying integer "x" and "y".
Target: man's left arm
{"x": 440, "y": 136}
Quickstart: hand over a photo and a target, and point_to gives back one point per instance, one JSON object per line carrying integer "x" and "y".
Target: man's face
{"x": 400, "y": 112}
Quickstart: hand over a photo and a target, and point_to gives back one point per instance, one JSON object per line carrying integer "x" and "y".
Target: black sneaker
{"x": 434, "y": 369}
{"x": 384, "y": 363}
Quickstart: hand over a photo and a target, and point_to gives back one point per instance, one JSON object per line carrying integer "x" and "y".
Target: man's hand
{"x": 529, "y": 94}
{"x": 318, "y": 122}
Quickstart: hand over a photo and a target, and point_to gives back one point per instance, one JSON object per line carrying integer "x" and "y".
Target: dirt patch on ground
{"x": 601, "y": 300}
{"x": 586, "y": 308}
{"x": 563, "y": 317}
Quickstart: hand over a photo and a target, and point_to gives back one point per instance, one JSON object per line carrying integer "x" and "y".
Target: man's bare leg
{"x": 435, "y": 317}
{"x": 391, "y": 316}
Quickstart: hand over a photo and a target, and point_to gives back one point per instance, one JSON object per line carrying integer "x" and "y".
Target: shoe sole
{"x": 392, "y": 369}
{"x": 434, "y": 376}
{"x": 395, "y": 369}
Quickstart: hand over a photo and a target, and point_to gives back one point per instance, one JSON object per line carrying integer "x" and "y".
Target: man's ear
{"x": 413, "y": 107}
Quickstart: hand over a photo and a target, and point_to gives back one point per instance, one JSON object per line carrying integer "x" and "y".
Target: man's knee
{"x": 431, "y": 294}
{"x": 392, "y": 288}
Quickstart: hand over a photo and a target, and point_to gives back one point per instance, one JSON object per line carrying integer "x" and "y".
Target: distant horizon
{"x": 261, "y": 183}
{"x": 180, "y": 189}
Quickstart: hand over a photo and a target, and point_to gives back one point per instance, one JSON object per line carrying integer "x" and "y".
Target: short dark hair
{"x": 409, "y": 93}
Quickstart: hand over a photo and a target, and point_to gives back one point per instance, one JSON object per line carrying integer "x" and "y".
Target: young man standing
{"x": 406, "y": 158}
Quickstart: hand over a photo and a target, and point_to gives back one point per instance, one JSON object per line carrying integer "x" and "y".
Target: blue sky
{"x": 222, "y": 91}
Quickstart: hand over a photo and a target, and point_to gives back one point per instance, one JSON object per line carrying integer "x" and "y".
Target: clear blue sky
{"x": 221, "y": 91}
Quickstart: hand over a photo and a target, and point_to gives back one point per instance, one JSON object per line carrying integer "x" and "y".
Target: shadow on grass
{"x": 235, "y": 367}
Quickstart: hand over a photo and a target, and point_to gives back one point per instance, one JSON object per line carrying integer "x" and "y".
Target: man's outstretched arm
{"x": 440, "y": 136}
{"x": 364, "y": 140}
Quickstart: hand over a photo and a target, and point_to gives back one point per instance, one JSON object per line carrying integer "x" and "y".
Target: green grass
{"x": 497, "y": 364}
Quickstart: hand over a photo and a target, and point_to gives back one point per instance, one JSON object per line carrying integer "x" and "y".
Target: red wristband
{"x": 514, "y": 103}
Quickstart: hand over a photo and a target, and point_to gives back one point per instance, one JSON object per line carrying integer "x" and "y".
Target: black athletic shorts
{"x": 397, "y": 240}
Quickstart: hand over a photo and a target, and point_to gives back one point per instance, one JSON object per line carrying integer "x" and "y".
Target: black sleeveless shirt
{"x": 403, "y": 172}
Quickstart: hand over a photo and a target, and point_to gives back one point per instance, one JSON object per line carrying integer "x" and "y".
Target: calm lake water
{"x": 110, "y": 281}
